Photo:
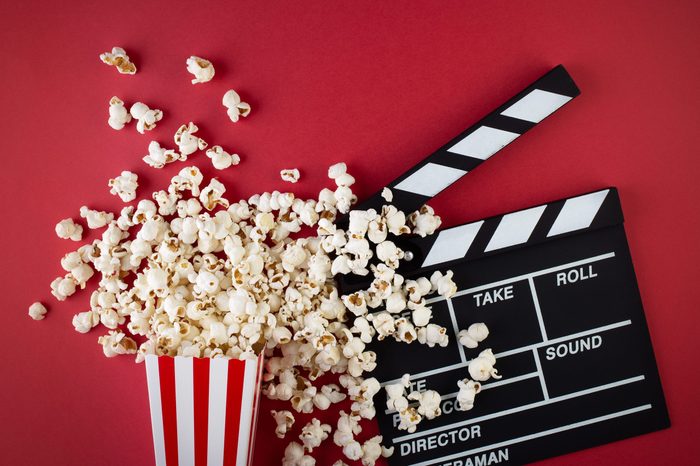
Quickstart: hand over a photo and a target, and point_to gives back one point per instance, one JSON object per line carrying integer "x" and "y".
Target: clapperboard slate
{"x": 556, "y": 287}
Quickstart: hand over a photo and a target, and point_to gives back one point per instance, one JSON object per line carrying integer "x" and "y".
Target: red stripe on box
{"x": 201, "y": 410}
{"x": 254, "y": 417}
{"x": 234, "y": 397}
{"x": 166, "y": 371}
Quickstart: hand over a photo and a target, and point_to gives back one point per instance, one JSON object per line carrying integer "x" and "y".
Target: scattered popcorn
{"x": 236, "y": 108}
{"x": 201, "y": 68}
{"x": 119, "y": 59}
{"x": 222, "y": 159}
{"x": 313, "y": 433}
{"x": 425, "y": 221}
{"x": 409, "y": 420}
{"x": 95, "y": 218}
{"x": 68, "y": 229}
{"x": 481, "y": 368}
{"x": 124, "y": 186}
{"x": 294, "y": 456}
{"x": 284, "y": 420}
{"x": 467, "y": 393}
{"x": 387, "y": 195}
{"x": 290, "y": 175}
{"x": 428, "y": 403}
{"x": 158, "y": 157}
{"x": 63, "y": 287}
{"x": 475, "y": 334}
{"x": 372, "y": 450}
{"x": 145, "y": 117}
{"x": 202, "y": 276}
{"x": 116, "y": 343}
{"x": 83, "y": 322}
{"x": 432, "y": 335}
{"x": 187, "y": 142}
{"x": 443, "y": 284}
{"x": 118, "y": 116}
{"x": 37, "y": 311}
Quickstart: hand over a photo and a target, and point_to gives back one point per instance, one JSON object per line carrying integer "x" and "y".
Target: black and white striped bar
{"x": 516, "y": 229}
{"x": 479, "y": 142}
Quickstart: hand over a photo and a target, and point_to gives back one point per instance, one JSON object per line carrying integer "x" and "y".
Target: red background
{"x": 376, "y": 85}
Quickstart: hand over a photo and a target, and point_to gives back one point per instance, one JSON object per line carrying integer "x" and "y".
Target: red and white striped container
{"x": 203, "y": 411}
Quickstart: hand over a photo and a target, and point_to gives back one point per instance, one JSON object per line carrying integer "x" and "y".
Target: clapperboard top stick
{"x": 471, "y": 148}
{"x": 479, "y": 142}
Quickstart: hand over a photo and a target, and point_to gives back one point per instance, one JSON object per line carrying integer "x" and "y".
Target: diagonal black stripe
{"x": 550, "y": 214}
{"x": 506, "y": 123}
{"x": 483, "y": 237}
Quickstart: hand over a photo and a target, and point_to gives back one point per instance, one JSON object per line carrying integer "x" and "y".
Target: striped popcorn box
{"x": 203, "y": 411}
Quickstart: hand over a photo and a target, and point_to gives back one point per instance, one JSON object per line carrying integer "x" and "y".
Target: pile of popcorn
{"x": 189, "y": 272}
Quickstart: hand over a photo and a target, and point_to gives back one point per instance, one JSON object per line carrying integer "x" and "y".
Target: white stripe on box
{"x": 578, "y": 213}
{"x": 452, "y": 243}
{"x": 483, "y": 143}
{"x": 218, "y": 380}
{"x": 153, "y": 377}
{"x": 515, "y": 228}
{"x": 536, "y": 106}
{"x": 250, "y": 371}
{"x": 430, "y": 179}
{"x": 184, "y": 407}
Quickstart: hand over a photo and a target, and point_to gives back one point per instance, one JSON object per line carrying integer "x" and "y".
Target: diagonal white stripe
{"x": 515, "y": 228}
{"x": 184, "y": 406}
{"x": 483, "y": 143}
{"x": 218, "y": 380}
{"x": 536, "y": 106}
{"x": 578, "y": 213}
{"x": 153, "y": 378}
{"x": 244, "y": 433}
{"x": 452, "y": 243}
{"x": 430, "y": 179}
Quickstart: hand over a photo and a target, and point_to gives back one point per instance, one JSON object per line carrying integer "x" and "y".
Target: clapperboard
{"x": 556, "y": 287}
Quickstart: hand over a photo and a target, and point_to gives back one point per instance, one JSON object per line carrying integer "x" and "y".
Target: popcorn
{"x": 222, "y": 159}
{"x": 83, "y": 322}
{"x": 116, "y": 343}
{"x": 145, "y": 117}
{"x": 201, "y": 68}
{"x": 95, "y": 218}
{"x": 118, "y": 116}
{"x": 387, "y": 195}
{"x": 37, "y": 311}
{"x": 372, "y": 450}
{"x": 409, "y": 420}
{"x": 313, "y": 433}
{"x": 124, "y": 186}
{"x": 294, "y": 456}
{"x": 236, "y": 108}
{"x": 428, "y": 403}
{"x": 63, "y": 287}
{"x": 290, "y": 175}
{"x": 432, "y": 335}
{"x": 119, "y": 59}
{"x": 475, "y": 334}
{"x": 284, "y": 420}
{"x": 212, "y": 195}
{"x": 187, "y": 142}
{"x": 443, "y": 284}
{"x": 424, "y": 221}
{"x": 204, "y": 277}
{"x": 158, "y": 157}
{"x": 68, "y": 229}
{"x": 467, "y": 393}
{"x": 481, "y": 368}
